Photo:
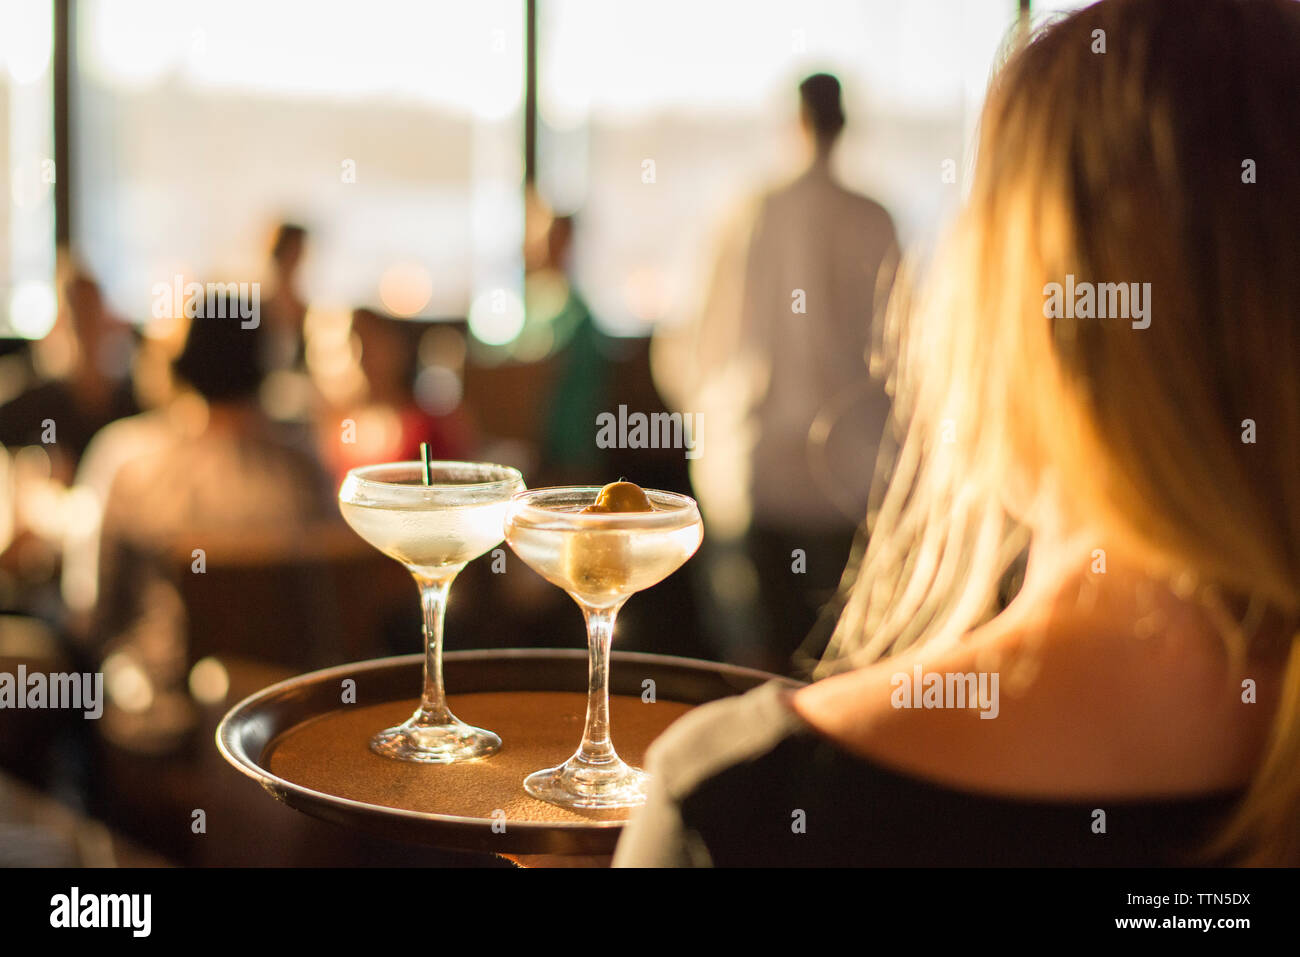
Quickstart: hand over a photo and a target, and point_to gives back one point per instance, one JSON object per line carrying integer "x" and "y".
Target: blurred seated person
{"x": 172, "y": 411}
{"x": 80, "y": 382}
{"x": 1138, "y": 702}
{"x": 234, "y": 475}
{"x": 393, "y": 418}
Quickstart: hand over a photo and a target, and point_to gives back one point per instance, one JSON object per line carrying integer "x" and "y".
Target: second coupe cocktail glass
{"x": 434, "y": 529}
{"x": 600, "y": 559}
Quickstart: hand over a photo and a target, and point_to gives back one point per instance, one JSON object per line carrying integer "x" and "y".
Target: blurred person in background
{"x": 289, "y": 393}
{"x": 68, "y": 386}
{"x": 581, "y": 388}
{"x": 393, "y": 418}
{"x": 233, "y": 476}
{"x": 172, "y": 410}
{"x": 284, "y": 311}
{"x": 81, "y": 379}
{"x": 1145, "y": 680}
{"x": 780, "y": 339}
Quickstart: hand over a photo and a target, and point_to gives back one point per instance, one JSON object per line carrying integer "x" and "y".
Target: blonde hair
{"x": 1128, "y": 165}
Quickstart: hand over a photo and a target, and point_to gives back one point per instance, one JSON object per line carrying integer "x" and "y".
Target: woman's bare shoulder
{"x": 1050, "y": 714}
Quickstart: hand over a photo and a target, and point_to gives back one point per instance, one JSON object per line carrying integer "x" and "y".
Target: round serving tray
{"x": 304, "y": 745}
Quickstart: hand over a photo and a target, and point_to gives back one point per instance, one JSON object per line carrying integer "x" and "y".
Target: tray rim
{"x": 232, "y": 750}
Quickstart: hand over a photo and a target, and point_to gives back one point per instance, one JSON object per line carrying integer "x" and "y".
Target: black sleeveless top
{"x": 745, "y": 782}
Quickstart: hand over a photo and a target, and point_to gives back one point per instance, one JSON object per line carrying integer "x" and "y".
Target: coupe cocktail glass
{"x": 434, "y": 530}
{"x": 600, "y": 560}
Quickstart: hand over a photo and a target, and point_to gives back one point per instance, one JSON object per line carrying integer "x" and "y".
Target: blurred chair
{"x": 264, "y": 607}
{"x": 262, "y": 603}
{"x": 38, "y": 831}
{"x": 29, "y": 736}
{"x": 320, "y": 599}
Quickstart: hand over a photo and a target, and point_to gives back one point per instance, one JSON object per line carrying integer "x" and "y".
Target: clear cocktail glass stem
{"x": 597, "y": 750}
{"x": 433, "y": 602}
{"x": 433, "y": 735}
{"x": 595, "y": 776}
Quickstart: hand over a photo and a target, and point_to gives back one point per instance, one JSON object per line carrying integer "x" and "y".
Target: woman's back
{"x": 1050, "y": 737}
{"x": 746, "y": 783}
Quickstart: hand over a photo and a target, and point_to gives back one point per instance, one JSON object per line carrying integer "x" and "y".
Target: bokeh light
{"x": 497, "y": 317}
{"x": 405, "y": 288}
{"x": 33, "y": 308}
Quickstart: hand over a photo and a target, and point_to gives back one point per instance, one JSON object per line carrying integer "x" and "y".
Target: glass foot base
{"x": 585, "y": 786}
{"x": 446, "y": 743}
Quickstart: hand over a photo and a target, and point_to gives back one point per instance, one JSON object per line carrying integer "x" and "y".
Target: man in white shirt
{"x": 776, "y": 359}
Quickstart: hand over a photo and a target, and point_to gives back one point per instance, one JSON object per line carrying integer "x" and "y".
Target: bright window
{"x": 391, "y": 130}
{"x": 27, "y": 170}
